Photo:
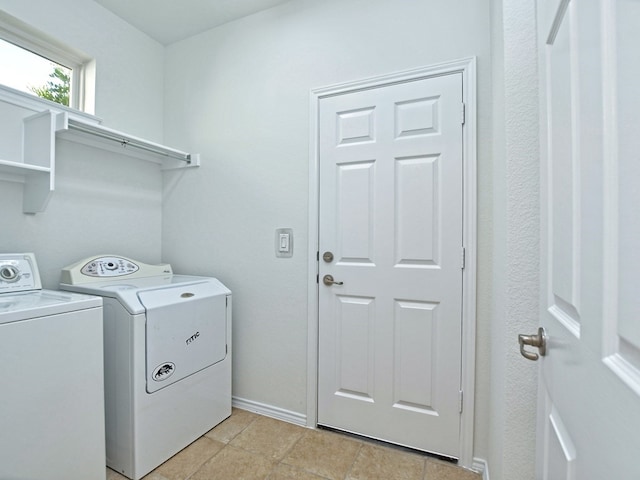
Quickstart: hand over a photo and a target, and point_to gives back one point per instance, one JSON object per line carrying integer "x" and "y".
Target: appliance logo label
{"x": 192, "y": 338}
{"x": 163, "y": 371}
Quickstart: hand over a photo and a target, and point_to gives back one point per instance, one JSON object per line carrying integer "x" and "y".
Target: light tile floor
{"x": 248, "y": 446}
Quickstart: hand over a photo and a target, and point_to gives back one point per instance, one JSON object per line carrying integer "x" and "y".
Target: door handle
{"x": 328, "y": 280}
{"x": 539, "y": 341}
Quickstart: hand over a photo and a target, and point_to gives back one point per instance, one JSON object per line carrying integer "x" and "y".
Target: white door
{"x": 589, "y": 400}
{"x": 391, "y": 218}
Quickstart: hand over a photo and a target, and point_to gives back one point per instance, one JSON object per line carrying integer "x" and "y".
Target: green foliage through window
{"x": 57, "y": 89}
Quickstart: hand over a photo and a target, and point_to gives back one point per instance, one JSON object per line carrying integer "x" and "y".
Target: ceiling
{"x": 169, "y": 21}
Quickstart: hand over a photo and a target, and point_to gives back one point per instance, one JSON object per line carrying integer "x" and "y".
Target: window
{"x": 35, "y": 63}
{"x": 29, "y": 72}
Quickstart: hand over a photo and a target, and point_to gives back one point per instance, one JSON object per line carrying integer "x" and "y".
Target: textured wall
{"x": 516, "y": 237}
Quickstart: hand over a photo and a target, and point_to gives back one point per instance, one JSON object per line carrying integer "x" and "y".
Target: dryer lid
{"x": 186, "y": 332}
{"x": 126, "y": 291}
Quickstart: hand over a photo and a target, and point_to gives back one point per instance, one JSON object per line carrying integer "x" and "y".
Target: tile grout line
{"x": 209, "y": 458}
{"x": 355, "y": 458}
{"x": 284, "y": 455}
{"x": 281, "y": 461}
{"x": 226, "y": 444}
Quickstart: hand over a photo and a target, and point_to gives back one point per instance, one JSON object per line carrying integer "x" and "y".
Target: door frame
{"x": 466, "y": 66}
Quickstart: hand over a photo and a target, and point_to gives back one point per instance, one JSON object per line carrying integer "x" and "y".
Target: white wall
{"x": 102, "y": 203}
{"x": 239, "y": 94}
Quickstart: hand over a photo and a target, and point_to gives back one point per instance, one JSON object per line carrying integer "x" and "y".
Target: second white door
{"x": 589, "y": 380}
{"x": 390, "y": 236}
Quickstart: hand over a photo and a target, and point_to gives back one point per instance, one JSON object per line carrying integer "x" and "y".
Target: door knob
{"x": 539, "y": 341}
{"x": 328, "y": 280}
{"x": 327, "y": 257}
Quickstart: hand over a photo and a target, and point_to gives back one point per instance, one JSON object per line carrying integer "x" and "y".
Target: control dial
{"x": 9, "y": 273}
{"x": 109, "y": 267}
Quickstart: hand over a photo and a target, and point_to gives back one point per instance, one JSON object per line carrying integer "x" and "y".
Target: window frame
{"x": 82, "y": 86}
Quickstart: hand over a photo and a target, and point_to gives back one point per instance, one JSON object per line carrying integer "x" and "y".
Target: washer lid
{"x": 39, "y": 303}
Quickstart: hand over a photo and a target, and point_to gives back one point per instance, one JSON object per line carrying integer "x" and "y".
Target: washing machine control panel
{"x": 109, "y": 267}
{"x": 106, "y": 267}
{"x": 18, "y": 272}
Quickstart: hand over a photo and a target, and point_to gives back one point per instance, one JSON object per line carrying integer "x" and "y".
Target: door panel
{"x": 417, "y": 211}
{"x": 560, "y": 450}
{"x": 622, "y": 170}
{"x": 355, "y": 321}
{"x": 355, "y": 211}
{"x": 413, "y": 361}
{"x": 565, "y": 240}
{"x": 391, "y": 213}
{"x": 589, "y": 395}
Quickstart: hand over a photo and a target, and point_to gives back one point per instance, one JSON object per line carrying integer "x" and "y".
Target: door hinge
{"x": 462, "y": 113}
{"x": 317, "y": 256}
{"x": 463, "y": 258}
{"x": 317, "y": 278}
{"x": 461, "y": 399}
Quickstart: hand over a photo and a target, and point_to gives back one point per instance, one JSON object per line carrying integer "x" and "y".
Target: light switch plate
{"x": 284, "y": 242}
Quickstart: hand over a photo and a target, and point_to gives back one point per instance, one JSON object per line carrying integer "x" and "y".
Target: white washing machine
{"x": 167, "y": 343}
{"x": 51, "y": 378}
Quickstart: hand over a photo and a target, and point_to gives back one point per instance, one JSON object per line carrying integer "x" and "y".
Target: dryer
{"x": 51, "y": 378}
{"x": 167, "y": 344}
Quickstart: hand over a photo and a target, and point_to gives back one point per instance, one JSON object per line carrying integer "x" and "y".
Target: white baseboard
{"x": 270, "y": 411}
{"x": 481, "y": 466}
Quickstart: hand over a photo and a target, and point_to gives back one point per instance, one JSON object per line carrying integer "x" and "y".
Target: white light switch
{"x": 284, "y": 242}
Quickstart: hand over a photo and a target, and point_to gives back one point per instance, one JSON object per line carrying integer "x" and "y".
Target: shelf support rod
{"x": 125, "y": 141}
